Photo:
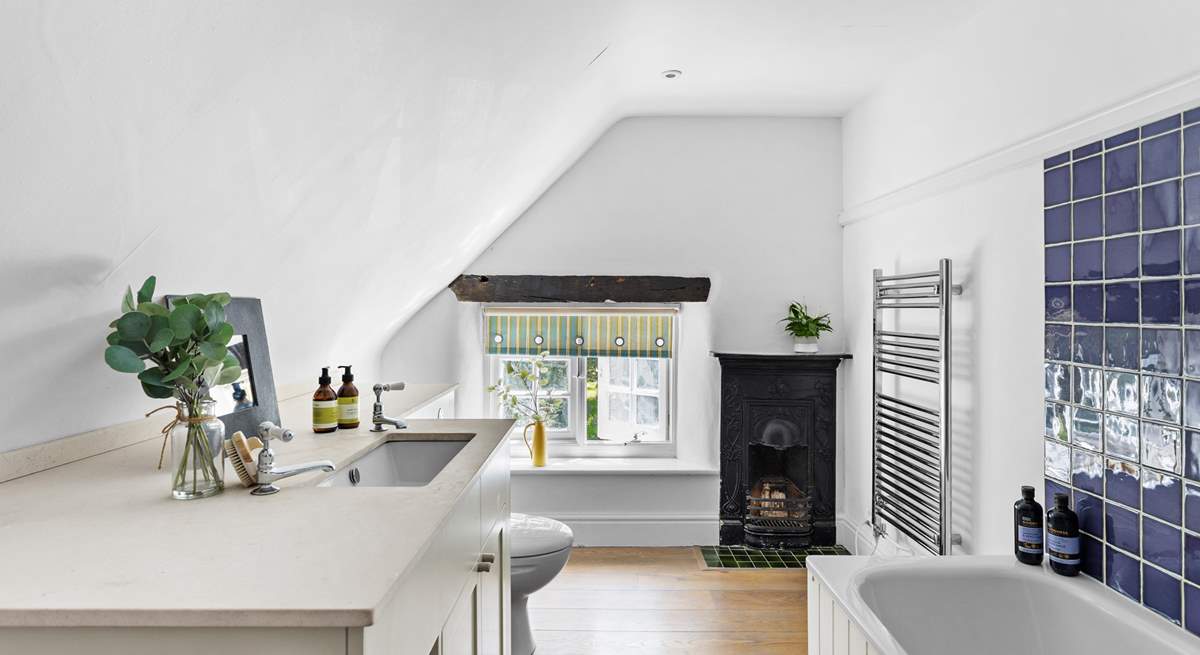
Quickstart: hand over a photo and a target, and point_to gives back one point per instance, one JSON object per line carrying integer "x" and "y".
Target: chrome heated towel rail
{"x": 910, "y": 445}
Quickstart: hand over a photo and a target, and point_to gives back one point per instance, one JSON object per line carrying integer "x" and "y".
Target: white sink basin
{"x": 398, "y": 464}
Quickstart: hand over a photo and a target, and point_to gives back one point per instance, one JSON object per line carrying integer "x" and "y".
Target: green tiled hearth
{"x": 741, "y": 557}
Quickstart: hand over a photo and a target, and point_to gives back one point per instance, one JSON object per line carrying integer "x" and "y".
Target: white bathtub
{"x": 974, "y": 605}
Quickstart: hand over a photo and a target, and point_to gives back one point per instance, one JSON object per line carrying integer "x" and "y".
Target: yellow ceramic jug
{"x": 537, "y": 451}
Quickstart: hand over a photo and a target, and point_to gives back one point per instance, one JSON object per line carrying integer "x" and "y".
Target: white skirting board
{"x": 830, "y": 630}
{"x": 640, "y": 530}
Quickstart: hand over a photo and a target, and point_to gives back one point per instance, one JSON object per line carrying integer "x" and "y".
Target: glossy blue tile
{"x": 1121, "y": 347}
{"x": 1191, "y": 353}
{"x": 1162, "y": 593}
{"x": 1056, "y": 184}
{"x": 1052, "y": 488}
{"x": 1191, "y": 302}
{"x": 1087, "y": 150}
{"x": 1191, "y": 507}
{"x": 1121, "y": 482}
{"x": 1160, "y": 126}
{"x": 1121, "y": 139}
{"x": 1191, "y": 558}
{"x": 1087, "y": 469}
{"x": 1162, "y": 496}
{"x": 1161, "y": 302}
{"x": 1121, "y": 212}
{"x": 1058, "y": 303}
{"x": 1191, "y": 459}
{"x": 1162, "y": 545}
{"x": 1121, "y": 528}
{"x": 1057, "y": 224}
{"x": 1162, "y": 351}
{"x": 1089, "y": 344}
{"x": 1160, "y": 253}
{"x": 1191, "y": 604}
{"x": 1091, "y": 514}
{"x": 1058, "y": 342}
{"x": 1061, "y": 158}
{"x": 1160, "y": 205}
{"x": 1087, "y": 261}
{"x": 1121, "y": 169}
{"x": 1160, "y": 158}
{"x": 1088, "y": 218}
{"x": 1191, "y": 116}
{"x": 1058, "y": 264}
{"x": 1121, "y": 257}
{"x": 1087, "y": 178}
{"x": 1191, "y": 200}
{"x": 1122, "y": 573}
{"x": 1089, "y": 303}
{"x": 1191, "y": 251}
{"x": 1191, "y": 403}
{"x": 1191, "y": 150}
{"x": 1092, "y": 557}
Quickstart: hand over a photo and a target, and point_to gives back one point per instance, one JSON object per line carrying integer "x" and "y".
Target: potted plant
{"x": 804, "y": 327}
{"x": 526, "y": 401}
{"x": 180, "y": 351}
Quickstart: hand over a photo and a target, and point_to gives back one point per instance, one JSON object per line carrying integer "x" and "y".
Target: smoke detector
{"x": 672, "y": 74}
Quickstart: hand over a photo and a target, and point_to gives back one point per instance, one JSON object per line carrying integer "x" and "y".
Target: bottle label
{"x": 1063, "y": 550}
{"x": 1029, "y": 540}
{"x": 347, "y": 409}
{"x": 325, "y": 413}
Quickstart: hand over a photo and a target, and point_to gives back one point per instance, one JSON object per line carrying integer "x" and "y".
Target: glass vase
{"x": 197, "y": 452}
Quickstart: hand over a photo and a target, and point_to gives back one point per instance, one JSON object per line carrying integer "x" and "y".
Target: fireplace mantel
{"x": 778, "y": 416}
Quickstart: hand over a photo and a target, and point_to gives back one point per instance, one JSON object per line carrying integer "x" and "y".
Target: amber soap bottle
{"x": 324, "y": 405}
{"x": 347, "y": 401}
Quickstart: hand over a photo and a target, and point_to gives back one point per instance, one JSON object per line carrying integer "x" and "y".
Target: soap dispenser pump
{"x": 324, "y": 405}
{"x": 347, "y": 401}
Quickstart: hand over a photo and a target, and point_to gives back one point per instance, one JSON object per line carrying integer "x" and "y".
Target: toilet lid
{"x": 537, "y": 535}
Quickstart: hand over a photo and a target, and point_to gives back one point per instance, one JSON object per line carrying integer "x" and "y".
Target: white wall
{"x": 944, "y": 160}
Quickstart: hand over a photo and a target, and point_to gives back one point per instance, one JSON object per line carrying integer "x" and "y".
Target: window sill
{"x": 612, "y": 466}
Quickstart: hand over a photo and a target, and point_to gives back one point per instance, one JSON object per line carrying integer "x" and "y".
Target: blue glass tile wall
{"x": 1122, "y": 358}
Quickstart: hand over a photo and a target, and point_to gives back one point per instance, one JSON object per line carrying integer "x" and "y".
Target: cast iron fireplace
{"x": 778, "y": 426}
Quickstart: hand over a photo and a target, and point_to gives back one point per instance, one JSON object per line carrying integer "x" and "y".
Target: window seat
{"x": 613, "y": 466}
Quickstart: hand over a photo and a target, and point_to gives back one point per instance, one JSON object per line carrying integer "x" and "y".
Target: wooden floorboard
{"x": 609, "y": 601}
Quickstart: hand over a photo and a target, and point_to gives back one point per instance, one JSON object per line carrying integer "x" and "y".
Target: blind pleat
{"x": 607, "y": 334}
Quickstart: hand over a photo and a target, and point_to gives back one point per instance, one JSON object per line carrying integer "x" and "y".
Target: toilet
{"x": 539, "y": 548}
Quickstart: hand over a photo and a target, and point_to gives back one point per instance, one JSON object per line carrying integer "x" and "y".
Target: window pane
{"x": 512, "y": 379}
{"x": 618, "y": 407}
{"x": 506, "y": 412}
{"x": 618, "y": 371}
{"x": 556, "y": 413}
{"x": 592, "y": 393}
{"x": 647, "y": 374}
{"x": 647, "y": 410}
{"x": 554, "y": 378}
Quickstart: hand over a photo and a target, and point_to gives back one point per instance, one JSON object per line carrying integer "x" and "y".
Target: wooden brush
{"x": 239, "y": 451}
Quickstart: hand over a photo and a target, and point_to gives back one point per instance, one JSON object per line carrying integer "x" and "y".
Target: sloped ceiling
{"x": 341, "y": 160}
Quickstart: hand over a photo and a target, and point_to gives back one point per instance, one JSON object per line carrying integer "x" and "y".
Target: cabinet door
{"x": 494, "y": 596}
{"x": 459, "y": 634}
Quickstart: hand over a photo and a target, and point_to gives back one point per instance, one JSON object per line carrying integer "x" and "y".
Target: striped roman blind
{"x": 580, "y": 333}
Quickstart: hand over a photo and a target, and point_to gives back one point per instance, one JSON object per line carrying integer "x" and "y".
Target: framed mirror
{"x": 250, "y": 399}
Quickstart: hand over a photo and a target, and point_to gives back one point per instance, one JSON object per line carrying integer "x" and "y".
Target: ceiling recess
{"x": 672, "y": 74}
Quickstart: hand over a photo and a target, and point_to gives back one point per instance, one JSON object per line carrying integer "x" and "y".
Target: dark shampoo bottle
{"x": 1062, "y": 537}
{"x": 1027, "y": 528}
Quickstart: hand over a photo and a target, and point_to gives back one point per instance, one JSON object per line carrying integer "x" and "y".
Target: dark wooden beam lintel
{"x": 580, "y": 288}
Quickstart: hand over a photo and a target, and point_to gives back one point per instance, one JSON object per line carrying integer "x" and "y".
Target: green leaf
{"x": 214, "y": 315}
{"x": 153, "y": 309}
{"x": 122, "y": 359}
{"x": 133, "y": 326}
{"x": 114, "y": 339}
{"x": 162, "y": 339}
{"x": 229, "y": 374}
{"x": 213, "y": 352}
{"x": 153, "y": 376}
{"x": 222, "y": 298}
{"x": 127, "y": 303}
{"x": 186, "y": 320}
{"x": 222, "y": 334}
{"x": 179, "y": 370}
{"x": 146, "y": 293}
{"x": 138, "y": 347}
{"x": 157, "y": 392}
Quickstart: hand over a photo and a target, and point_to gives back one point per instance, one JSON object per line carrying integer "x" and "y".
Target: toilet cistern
{"x": 377, "y": 416}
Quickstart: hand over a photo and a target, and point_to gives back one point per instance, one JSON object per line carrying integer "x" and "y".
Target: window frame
{"x": 574, "y": 442}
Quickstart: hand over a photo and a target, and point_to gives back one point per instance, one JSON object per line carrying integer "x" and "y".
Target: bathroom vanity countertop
{"x": 99, "y": 542}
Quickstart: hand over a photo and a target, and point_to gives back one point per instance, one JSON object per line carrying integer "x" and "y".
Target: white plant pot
{"x": 805, "y": 345}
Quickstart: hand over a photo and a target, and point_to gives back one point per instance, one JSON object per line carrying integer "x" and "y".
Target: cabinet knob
{"x": 488, "y": 557}
{"x": 483, "y": 567}
{"x": 355, "y": 476}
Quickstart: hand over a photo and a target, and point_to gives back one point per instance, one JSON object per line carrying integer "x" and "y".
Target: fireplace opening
{"x": 778, "y": 511}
